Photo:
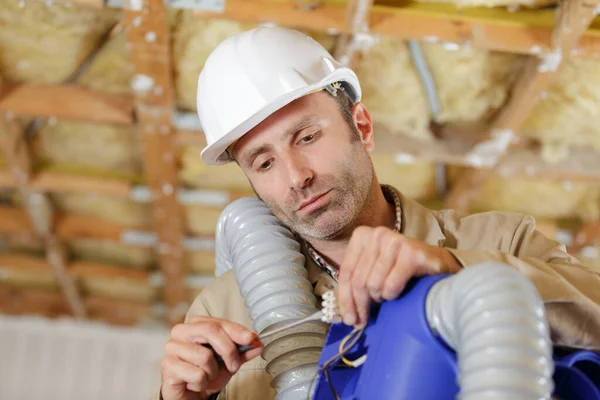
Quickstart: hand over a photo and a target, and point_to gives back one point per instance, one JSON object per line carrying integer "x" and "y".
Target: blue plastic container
{"x": 405, "y": 360}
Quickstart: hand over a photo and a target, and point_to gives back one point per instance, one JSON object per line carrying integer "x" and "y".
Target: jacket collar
{"x": 419, "y": 222}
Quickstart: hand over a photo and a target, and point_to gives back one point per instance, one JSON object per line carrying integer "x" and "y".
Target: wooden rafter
{"x": 48, "y": 181}
{"x": 71, "y": 226}
{"x": 573, "y": 19}
{"x": 39, "y": 209}
{"x": 66, "y": 226}
{"x": 149, "y": 37}
{"x": 50, "y": 304}
{"x": 66, "y": 101}
{"x": 581, "y": 166}
{"x": 77, "y": 269}
{"x": 14, "y": 298}
{"x": 523, "y": 32}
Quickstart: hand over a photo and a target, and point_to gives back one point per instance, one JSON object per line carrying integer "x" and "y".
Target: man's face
{"x": 309, "y": 167}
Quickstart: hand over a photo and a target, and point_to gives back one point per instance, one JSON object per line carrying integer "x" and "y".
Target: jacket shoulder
{"x": 221, "y": 298}
{"x": 490, "y": 230}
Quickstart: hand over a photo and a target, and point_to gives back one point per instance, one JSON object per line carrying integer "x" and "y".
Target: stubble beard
{"x": 344, "y": 208}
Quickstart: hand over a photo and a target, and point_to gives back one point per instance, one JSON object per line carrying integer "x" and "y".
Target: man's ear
{"x": 364, "y": 125}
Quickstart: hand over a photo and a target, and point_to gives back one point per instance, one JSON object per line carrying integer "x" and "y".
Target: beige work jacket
{"x": 570, "y": 291}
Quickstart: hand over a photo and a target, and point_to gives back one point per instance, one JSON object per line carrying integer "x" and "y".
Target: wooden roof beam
{"x": 77, "y": 226}
{"x": 50, "y": 304}
{"x": 66, "y": 101}
{"x": 39, "y": 209}
{"x": 149, "y": 37}
{"x": 77, "y": 269}
{"x": 573, "y": 19}
{"x": 522, "y": 32}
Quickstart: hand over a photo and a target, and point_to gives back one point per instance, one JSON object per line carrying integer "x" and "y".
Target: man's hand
{"x": 189, "y": 369}
{"x": 377, "y": 265}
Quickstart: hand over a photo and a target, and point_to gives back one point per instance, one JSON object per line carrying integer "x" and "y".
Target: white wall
{"x": 68, "y": 360}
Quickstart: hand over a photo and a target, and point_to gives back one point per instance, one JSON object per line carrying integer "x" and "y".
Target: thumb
{"x": 239, "y": 333}
{"x": 244, "y": 336}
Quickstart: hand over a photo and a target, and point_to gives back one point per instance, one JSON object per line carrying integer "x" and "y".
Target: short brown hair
{"x": 345, "y": 105}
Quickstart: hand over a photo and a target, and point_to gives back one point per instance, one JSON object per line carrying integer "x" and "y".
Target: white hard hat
{"x": 254, "y": 73}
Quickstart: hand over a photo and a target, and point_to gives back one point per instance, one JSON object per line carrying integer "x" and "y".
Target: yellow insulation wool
{"x": 195, "y": 173}
{"x": 117, "y": 210}
{"x": 495, "y": 3}
{"x": 47, "y": 43}
{"x": 542, "y": 199}
{"x": 194, "y": 39}
{"x": 136, "y": 257}
{"x": 392, "y": 91}
{"x": 118, "y": 289}
{"x": 32, "y": 273}
{"x": 201, "y": 262}
{"x": 470, "y": 83}
{"x": 199, "y": 219}
{"x": 202, "y": 220}
{"x": 92, "y": 279}
{"x": 114, "y": 282}
{"x": 97, "y": 147}
{"x": 568, "y": 114}
{"x": 415, "y": 180}
{"x": 111, "y": 252}
{"x": 111, "y": 70}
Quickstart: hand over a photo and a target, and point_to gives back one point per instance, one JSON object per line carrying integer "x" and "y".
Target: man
{"x": 275, "y": 102}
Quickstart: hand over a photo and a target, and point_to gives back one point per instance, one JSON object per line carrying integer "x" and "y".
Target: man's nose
{"x": 299, "y": 172}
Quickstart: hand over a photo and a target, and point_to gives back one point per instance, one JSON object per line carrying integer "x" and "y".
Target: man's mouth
{"x": 313, "y": 203}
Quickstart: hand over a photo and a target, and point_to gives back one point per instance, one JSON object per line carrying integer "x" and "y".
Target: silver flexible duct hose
{"x": 270, "y": 273}
{"x": 494, "y": 319}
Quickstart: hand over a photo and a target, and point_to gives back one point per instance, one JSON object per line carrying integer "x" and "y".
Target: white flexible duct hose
{"x": 270, "y": 273}
{"x": 493, "y": 317}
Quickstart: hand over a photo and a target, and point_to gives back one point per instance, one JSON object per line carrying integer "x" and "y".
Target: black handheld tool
{"x": 241, "y": 348}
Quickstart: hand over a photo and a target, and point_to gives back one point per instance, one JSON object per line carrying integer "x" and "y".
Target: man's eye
{"x": 308, "y": 138}
{"x": 265, "y": 165}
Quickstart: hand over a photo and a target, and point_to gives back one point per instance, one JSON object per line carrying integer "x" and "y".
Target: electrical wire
{"x": 356, "y": 363}
{"x": 347, "y": 343}
{"x": 336, "y": 396}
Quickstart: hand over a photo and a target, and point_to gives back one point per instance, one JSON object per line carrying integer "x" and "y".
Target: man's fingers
{"x": 224, "y": 345}
{"x": 357, "y": 290}
{"x": 195, "y": 354}
{"x": 371, "y": 249}
{"x": 238, "y": 333}
{"x": 177, "y": 372}
{"x": 211, "y": 332}
{"x": 346, "y": 303}
{"x": 404, "y": 268}
{"x": 375, "y": 244}
{"x": 362, "y": 302}
{"x": 250, "y": 354}
{"x": 194, "y": 387}
{"x": 352, "y": 261}
{"x": 390, "y": 249}
{"x": 353, "y": 253}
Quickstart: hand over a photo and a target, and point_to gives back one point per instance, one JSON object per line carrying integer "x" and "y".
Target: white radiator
{"x": 68, "y": 360}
